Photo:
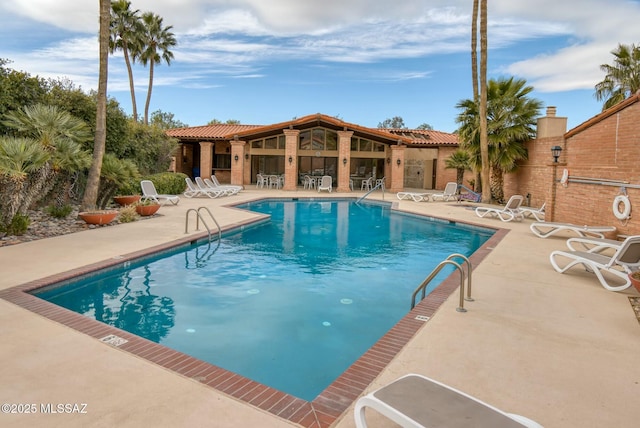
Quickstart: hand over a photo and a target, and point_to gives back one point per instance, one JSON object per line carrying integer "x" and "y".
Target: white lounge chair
{"x": 450, "y": 193}
{"x": 419, "y": 402}
{"x": 194, "y": 190}
{"x": 213, "y": 182}
{"x": 593, "y": 245}
{"x": 545, "y": 229}
{"x": 417, "y": 197}
{"x": 537, "y": 213}
{"x": 620, "y": 264}
{"x": 325, "y": 183}
{"x": 511, "y": 211}
{"x": 149, "y": 192}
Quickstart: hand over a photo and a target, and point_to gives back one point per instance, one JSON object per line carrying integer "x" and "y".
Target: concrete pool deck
{"x": 559, "y": 349}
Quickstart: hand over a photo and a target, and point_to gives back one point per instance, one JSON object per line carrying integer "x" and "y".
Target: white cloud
{"x": 237, "y": 37}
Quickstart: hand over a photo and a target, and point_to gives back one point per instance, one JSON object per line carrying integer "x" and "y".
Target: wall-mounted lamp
{"x": 236, "y": 158}
{"x": 246, "y": 156}
{"x": 555, "y": 152}
{"x": 290, "y": 160}
{"x": 388, "y": 161}
{"x": 344, "y": 161}
{"x": 398, "y": 162}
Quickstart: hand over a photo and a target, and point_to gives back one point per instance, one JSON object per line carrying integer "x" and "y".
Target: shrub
{"x": 59, "y": 212}
{"x": 18, "y": 225}
{"x": 128, "y": 214}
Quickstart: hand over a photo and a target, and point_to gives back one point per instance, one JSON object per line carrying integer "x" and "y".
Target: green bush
{"x": 18, "y": 225}
{"x": 59, "y": 212}
{"x": 168, "y": 183}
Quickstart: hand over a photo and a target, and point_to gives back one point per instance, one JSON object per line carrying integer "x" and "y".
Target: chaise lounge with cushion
{"x": 545, "y": 229}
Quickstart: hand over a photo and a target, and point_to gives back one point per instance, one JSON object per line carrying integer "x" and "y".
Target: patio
{"x": 559, "y": 349}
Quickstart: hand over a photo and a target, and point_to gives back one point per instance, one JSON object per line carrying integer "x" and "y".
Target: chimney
{"x": 551, "y": 125}
{"x": 551, "y": 111}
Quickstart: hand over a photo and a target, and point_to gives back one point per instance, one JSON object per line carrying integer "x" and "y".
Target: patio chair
{"x": 511, "y": 211}
{"x": 149, "y": 192}
{"x": 620, "y": 264}
{"x": 545, "y": 229}
{"x": 537, "y": 213}
{"x": 450, "y": 192}
{"x": 325, "y": 183}
{"x": 367, "y": 184}
{"x": 418, "y": 401}
{"x": 261, "y": 180}
{"x": 593, "y": 245}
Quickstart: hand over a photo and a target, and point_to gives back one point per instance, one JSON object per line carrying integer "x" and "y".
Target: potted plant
{"x": 124, "y": 200}
{"x": 146, "y": 207}
{"x": 634, "y": 277}
{"x": 98, "y": 217}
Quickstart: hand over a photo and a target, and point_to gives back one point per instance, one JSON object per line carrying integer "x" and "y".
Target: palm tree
{"x": 19, "y": 158}
{"x": 157, "y": 42}
{"x": 93, "y": 180}
{"x": 58, "y": 133}
{"x": 460, "y": 160}
{"x": 484, "y": 141}
{"x": 511, "y": 117}
{"x": 125, "y": 30}
{"x": 623, "y": 76}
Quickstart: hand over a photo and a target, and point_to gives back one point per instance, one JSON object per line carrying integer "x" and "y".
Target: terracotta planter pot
{"x": 98, "y": 217}
{"x": 146, "y": 210}
{"x": 635, "y": 281}
{"x": 126, "y": 199}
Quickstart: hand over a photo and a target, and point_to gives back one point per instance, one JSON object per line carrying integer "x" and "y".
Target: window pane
{"x": 354, "y": 144}
{"x": 365, "y": 145}
{"x": 282, "y": 142}
{"x": 271, "y": 143}
{"x": 257, "y": 144}
{"x": 318, "y": 139}
{"x": 332, "y": 140}
{"x": 305, "y": 140}
{"x": 378, "y": 147}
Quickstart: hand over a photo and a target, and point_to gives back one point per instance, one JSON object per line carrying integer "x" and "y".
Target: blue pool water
{"x": 291, "y": 302}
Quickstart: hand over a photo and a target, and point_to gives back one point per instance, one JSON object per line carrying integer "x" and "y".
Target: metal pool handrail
{"x": 422, "y": 287}
{"x": 198, "y": 218}
{"x": 380, "y": 185}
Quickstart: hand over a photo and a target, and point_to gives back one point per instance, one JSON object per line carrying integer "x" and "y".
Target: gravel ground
{"x": 44, "y": 226}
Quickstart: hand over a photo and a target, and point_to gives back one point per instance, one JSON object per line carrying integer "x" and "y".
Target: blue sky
{"x": 364, "y": 61}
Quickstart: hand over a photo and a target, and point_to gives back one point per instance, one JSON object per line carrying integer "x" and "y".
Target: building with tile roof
{"x": 316, "y": 145}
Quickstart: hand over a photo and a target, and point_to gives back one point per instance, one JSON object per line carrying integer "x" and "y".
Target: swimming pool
{"x": 290, "y": 303}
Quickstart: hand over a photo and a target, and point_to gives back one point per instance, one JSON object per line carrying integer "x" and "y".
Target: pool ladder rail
{"x": 199, "y": 218}
{"x": 422, "y": 287}
{"x": 377, "y": 186}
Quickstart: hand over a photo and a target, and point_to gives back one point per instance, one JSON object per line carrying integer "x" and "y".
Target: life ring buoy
{"x": 565, "y": 177}
{"x": 625, "y": 212}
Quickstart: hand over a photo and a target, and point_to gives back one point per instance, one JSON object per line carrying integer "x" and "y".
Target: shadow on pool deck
{"x": 556, "y": 348}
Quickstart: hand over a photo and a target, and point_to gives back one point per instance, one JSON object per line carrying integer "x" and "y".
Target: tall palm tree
{"x": 623, "y": 76}
{"x": 125, "y": 30}
{"x": 484, "y": 141}
{"x": 93, "y": 180}
{"x": 474, "y": 49}
{"x": 511, "y": 122}
{"x": 157, "y": 42}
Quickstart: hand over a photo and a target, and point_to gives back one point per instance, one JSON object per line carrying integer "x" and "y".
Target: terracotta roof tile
{"x": 412, "y": 137}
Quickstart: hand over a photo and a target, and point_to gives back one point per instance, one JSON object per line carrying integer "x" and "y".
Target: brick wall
{"x": 607, "y": 147}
